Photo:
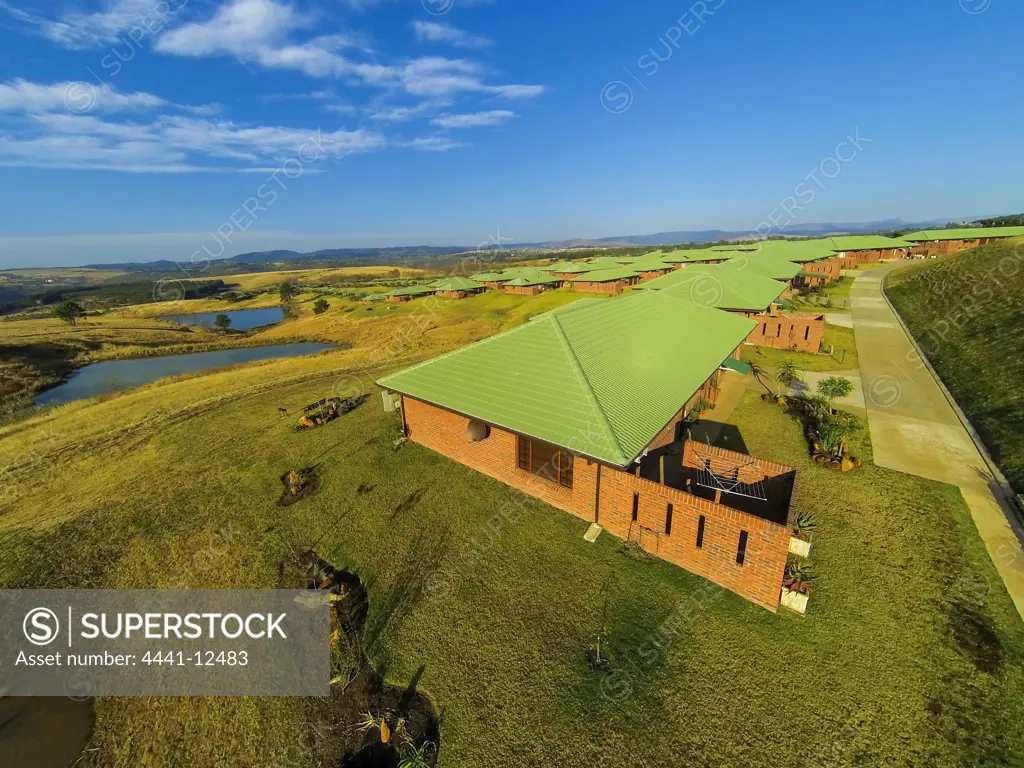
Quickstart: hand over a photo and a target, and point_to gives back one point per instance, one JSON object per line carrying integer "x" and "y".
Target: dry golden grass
{"x": 254, "y": 281}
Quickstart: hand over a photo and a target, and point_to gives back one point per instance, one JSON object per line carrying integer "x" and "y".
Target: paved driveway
{"x": 915, "y": 430}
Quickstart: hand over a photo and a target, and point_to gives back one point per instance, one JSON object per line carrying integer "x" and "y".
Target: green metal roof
{"x": 765, "y": 265}
{"x": 488, "y": 277}
{"x": 412, "y": 290}
{"x": 964, "y": 233}
{"x": 456, "y": 284}
{"x": 866, "y": 243}
{"x": 527, "y": 280}
{"x": 719, "y": 285}
{"x": 571, "y": 267}
{"x": 606, "y": 275}
{"x": 649, "y": 262}
{"x": 602, "y": 380}
{"x": 608, "y": 262}
{"x": 736, "y": 247}
{"x": 799, "y": 251}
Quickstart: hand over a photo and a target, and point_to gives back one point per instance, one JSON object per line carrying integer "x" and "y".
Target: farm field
{"x": 967, "y": 311}
{"x": 911, "y": 654}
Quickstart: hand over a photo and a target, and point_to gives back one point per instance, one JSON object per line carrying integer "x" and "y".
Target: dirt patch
{"x": 298, "y": 484}
{"x": 975, "y": 636}
{"x": 367, "y": 722}
{"x": 44, "y": 732}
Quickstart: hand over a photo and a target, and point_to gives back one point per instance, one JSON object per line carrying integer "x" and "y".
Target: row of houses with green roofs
{"x": 587, "y": 406}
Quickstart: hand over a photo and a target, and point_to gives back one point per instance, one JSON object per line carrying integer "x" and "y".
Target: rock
{"x": 846, "y": 465}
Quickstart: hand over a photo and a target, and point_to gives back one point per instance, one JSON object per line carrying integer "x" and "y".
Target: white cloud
{"x": 442, "y": 32}
{"x": 37, "y": 130}
{"x": 518, "y": 91}
{"x": 403, "y": 114}
{"x": 492, "y": 117}
{"x": 36, "y": 98}
{"x": 116, "y": 20}
{"x": 434, "y": 144}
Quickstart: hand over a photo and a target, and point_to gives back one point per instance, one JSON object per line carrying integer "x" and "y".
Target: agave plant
{"x": 805, "y": 523}
{"x": 799, "y": 576}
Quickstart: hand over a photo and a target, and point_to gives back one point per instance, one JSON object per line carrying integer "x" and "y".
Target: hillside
{"x": 967, "y": 312}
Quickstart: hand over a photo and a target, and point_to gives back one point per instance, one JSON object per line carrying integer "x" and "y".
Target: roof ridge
{"x": 588, "y": 388}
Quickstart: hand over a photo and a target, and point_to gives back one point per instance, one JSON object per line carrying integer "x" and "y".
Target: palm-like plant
{"x": 760, "y": 374}
{"x": 788, "y": 375}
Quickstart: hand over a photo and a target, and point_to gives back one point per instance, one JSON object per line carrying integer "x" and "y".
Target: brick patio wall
{"x": 787, "y": 331}
{"x": 758, "y": 579}
{"x": 830, "y": 268}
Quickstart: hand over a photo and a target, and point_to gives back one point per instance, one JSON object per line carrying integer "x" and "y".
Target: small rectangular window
{"x": 741, "y": 552}
{"x": 700, "y": 531}
{"x": 807, "y": 333}
{"x": 524, "y": 453}
{"x": 636, "y": 506}
{"x": 668, "y": 521}
{"x": 764, "y": 329}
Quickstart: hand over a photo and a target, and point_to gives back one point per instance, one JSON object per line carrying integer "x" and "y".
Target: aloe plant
{"x": 417, "y": 757}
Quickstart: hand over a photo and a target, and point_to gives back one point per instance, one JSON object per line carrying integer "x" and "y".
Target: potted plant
{"x": 800, "y": 542}
{"x": 796, "y": 586}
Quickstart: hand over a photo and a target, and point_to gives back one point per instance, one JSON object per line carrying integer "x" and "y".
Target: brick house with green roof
{"x": 584, "y": 407}
{"x": 736, "y": 285}
{"x": 611, "y": 281}
{"x": 855, "y": 250}
{"x": 938, "y": 242}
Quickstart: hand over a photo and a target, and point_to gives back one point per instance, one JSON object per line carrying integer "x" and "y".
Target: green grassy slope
{"x": 967, "y": 313}
{"x": 911, "y": 653}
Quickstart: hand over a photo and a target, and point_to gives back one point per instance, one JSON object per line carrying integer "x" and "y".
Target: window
{"x": 700, "y": 531}
{"x": 807, "y": 333}
{"x": 741, "y": 552}
{"x": 545, "y": 460}
{"x": 668, "y": 521}
{"x": 636, "y": 506}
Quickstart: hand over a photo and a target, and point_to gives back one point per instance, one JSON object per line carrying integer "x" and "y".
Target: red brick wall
{"x": 760, "y": 577}
{"x": 452, "y": 294}
{"x": 447, "y": 433}
{"x": 656, "y": 273}
{"x": 525, "y": 290}
{"x": 830, "y": 268}
{"x": 613, "y": 287}
{"x": 786, "y": 331}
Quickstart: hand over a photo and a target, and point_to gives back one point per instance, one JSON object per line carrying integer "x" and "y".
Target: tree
{"x": 286, "y": 291}
{"x": 320, "y": 306}
{"x": 833, "y": 388}
{"x": 68, "y": 311}
{"x": 760, "y": 374}
{"x": 222, "y": 321}
{"x": 788, "y": 375}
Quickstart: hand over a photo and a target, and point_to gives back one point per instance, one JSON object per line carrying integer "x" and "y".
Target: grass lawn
{"x": 911, "y": 654}
{"x": 835, "y": 298}
{"x": 967, "y": 313}
{"x": 839, "y": 338}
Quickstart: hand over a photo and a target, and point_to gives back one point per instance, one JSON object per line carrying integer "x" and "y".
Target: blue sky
{"x": 136, "y": 129}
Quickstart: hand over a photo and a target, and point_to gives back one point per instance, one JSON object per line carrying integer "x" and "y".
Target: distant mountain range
{"x": 379, "y": 255}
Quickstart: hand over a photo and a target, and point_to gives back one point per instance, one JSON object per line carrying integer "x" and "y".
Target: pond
{"x": 241, "y": 319}
{"x": 115, "y": 375}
